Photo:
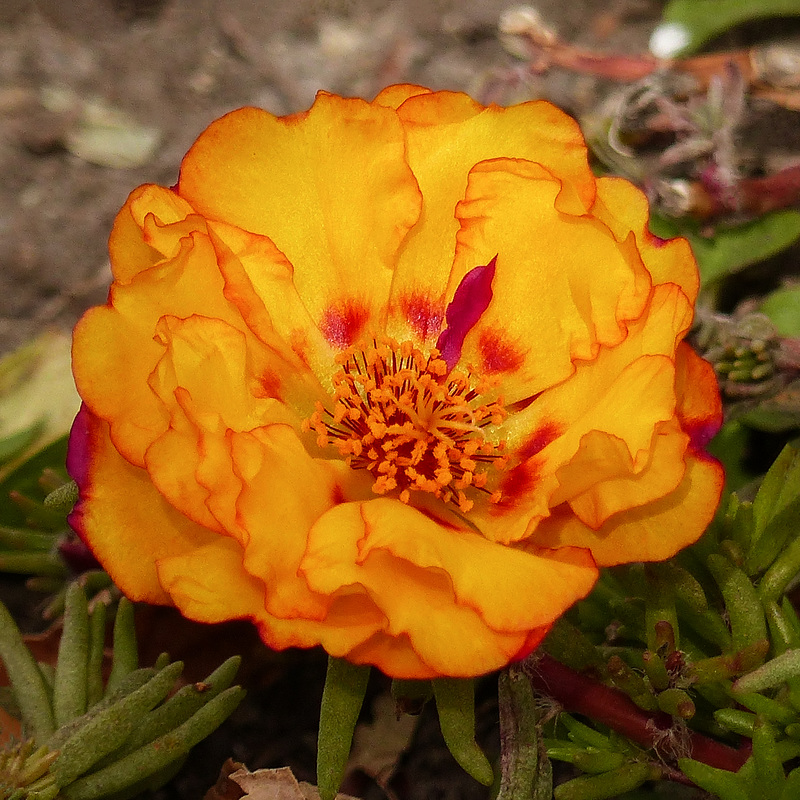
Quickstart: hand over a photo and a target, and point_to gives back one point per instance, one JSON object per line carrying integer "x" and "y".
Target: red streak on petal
{"x": 337, "y": 495}
{"x": 438, "y": 520}
{"x": 298, "y": 341}
{"x": 341, "y": 324}
{"x": 270, "y": 385}
{"x": 497, "y": 354}
{"x": 538, "y": 440}
{"x": 423, "y": 314}
{"x": 516, "y": 483}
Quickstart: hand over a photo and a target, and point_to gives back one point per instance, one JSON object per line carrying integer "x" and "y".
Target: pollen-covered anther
{"x": 415, "y": 425}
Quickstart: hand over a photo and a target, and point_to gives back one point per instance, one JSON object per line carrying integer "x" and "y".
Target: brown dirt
{"x": 175, "y": 65}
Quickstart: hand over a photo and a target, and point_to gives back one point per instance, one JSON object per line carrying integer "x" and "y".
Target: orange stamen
{"x": 401, "y": 415}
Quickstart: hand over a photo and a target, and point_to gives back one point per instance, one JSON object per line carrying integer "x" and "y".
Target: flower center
{"x": 412, "y": 423}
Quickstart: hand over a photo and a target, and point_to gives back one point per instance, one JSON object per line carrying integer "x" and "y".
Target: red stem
{"x": 583, "y": 695}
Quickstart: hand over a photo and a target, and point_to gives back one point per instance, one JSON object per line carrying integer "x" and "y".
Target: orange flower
{"x": 392, "y": 378}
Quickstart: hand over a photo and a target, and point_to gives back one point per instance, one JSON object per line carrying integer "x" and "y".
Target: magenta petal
{"x": 471, "y": 299}
{"x": 78, "y": 448}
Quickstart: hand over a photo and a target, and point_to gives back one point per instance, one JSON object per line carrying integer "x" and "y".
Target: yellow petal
{"x": 563, "y": 286}
{"x": 624, "y": 208}
{"x": 624, "y": 392}
{"x": 260, "y": 281}
{"x": 699, "y": 402}
{"x": 332, "y": 190}
{"x": 156, "y": 207}
{"x": 209, "y": 583}
{"x": 652, "y": 532}
{"x": 284, "y": 493}
{"x": 447, "y": 135}
{"x": 114, "y": 351}
{"x": 457, "y": 619}
{"x": 604, "y": 479}
{"x": 394, "y": 96}
{"x": 128, "y": 525}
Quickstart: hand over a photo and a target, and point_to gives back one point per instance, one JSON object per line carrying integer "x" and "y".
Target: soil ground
{"x": 173, "y": 66}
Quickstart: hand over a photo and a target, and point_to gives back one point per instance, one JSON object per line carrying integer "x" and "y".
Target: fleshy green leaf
{"x": 783, "y": 308}
{"x": 455, "y": 703}
{"x": 702, "y": 20}
{"x": 345, "y": 686}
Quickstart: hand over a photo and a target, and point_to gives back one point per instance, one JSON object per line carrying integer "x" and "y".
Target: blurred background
{"x": 98, "y": 96}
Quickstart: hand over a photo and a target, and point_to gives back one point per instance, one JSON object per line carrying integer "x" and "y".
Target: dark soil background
{"x": 175, "y": 65}
{"x": 172, "y": 66}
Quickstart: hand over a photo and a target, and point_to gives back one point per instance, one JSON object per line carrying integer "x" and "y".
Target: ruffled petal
{"x": 275, "y": 517}
{"x": 114, "y": 351}
{"x": 156, "y": 209}
{"x": 699, "y": 402}
{"x": 210, "y": 385}
{"x": 427, "y": 586}
{"x": 199, "y": 583}
{"x": 564, "y": 284}
{"x": 260, "y": 281}
{"x": 447, "y": 135}
{"x": 624, "y": 393}
{"x": 652, "y": 532}
{"x": 117, "y": 497}
{"x": 332, "y": 190}
{"x": 623, "y": 207}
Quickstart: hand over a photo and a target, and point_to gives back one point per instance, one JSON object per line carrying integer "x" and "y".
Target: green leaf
{"x": 730, "y": 447}
{"x": 783, "y": 308}
{"x": 455, "y": 703}
{"x": 776, "y": 510}
{"x": 30, "y": 688}
{"x": 705, "y": 19}
{"x": 342, "y": 698}
{"x": 726, "y": 785}
{"x": 24, "y": 478}
{"x": 730, "y": 250}
{"x": 71, "y": 681}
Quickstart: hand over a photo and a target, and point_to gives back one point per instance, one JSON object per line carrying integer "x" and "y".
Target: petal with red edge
{"x": 652, "y": 532}
{"x": 699, "y": 402}
{"x": 272, "y": 463}
{"x": 209, "y": 583}
{"x": 131, "y": 251}
{"x": 441, "y": 613}
{"x": 447, "y": 135}
{"x": 114, "y": 351}
{"x": 260, "y": 281}
{"x": 604, "y": 479}
{"x": 623, "y": 207}
{"x": 564, "y": 285}
{"x": 117, "y": 497}
{"x": 332, "y": 190}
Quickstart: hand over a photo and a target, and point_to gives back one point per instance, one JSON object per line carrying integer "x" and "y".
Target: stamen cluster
{"x": 415, "y": 425}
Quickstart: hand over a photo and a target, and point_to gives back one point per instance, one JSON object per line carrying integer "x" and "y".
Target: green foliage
{"x": 705, "y": 19}
{"x": 345, "y": 686}
{"x": 86, "y": 745}
{"x": 709, "y": 638}
{"x": 732, "y": 248}
{"x": 783, "y": 308}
